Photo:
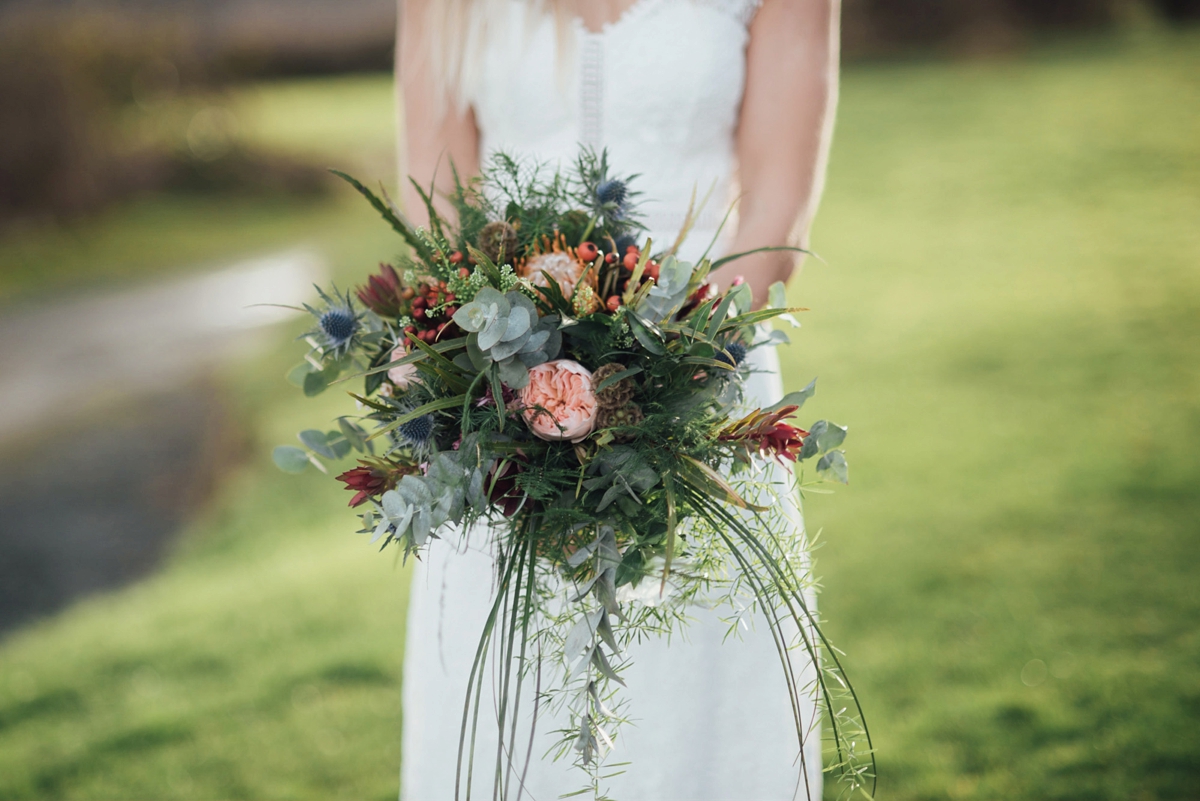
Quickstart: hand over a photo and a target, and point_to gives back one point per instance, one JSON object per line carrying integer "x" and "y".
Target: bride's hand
{"x": 783, "y": 135}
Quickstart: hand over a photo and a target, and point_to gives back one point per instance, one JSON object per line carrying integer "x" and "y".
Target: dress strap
{"x": 742, "y": 10}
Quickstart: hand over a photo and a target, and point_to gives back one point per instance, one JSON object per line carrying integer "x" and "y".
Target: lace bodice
{"x": 660, "y": 88}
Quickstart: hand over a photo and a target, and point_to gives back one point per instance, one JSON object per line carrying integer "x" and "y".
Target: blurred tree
{"x": 66, "y": 79}
{"x": 1179, "y": 10}
{"x": 873, "y": 27}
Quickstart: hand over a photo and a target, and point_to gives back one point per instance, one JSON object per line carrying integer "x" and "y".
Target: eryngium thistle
{"x": 339, "y": 325}
{"x": 417, "y": 432}
{"x": 611, "y": 195}
{"x": 736, "y": 350}
{"x": 498, "y": 241}
{"x": 614, "y": 395}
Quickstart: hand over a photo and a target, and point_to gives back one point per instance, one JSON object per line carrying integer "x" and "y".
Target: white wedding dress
{"x": 661, "y": 90}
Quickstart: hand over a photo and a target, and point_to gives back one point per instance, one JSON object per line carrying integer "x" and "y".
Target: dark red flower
{"x": 782, "y": 441}
{"x": 501, "y": 486}
{"x": 765, "y": 432}
{"x": 487, "y": 399}
{"x": 367, "y": 481}
{"x": 382, "y": 292}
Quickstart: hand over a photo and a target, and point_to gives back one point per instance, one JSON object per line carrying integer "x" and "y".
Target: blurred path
{"x": 65, "y": 359}
{"x": 112, "y": 433}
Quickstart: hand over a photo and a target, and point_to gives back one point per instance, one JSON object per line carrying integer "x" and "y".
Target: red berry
{"x": 419, "y": 313}
{"x": 456, "y": 257}
{"x": 410, "y": 329}
{"x": 610, "y": 258}
{"x": 588, "y": 251}
{"x": 463, "y": 272}
{"x": 613, "y": 303}
{"x": 632, "y": 249}
{"x": 419, "y": 303}
{"x": 630, "y": 261}
{"x": 651, "y": 270}
{"x": 450, "y": 310}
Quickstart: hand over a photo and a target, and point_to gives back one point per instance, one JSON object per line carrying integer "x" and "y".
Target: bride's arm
{"x": 432, "y": 129}
{"x": 783, "y": 133}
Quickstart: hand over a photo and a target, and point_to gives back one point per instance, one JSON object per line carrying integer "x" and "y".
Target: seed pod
{"x": 498, "y": 241}
{"x": 626, "y": 416}
{"x": 614, "y": 395}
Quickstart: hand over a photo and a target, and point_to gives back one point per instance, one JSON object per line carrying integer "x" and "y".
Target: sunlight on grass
{"x": 1008, "y": 322}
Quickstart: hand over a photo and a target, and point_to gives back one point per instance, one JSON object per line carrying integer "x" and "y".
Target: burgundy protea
{"x": 382, "y": 293}
{"x": 782, "y": 441}
{"x": 371, "y": 480}
{"x": 765, "y": 432}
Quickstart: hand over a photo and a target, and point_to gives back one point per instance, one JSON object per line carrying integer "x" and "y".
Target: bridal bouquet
{"x": 538, "y": 376}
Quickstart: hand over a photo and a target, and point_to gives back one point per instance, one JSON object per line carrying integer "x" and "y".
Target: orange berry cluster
{"x": 628, "y": 263}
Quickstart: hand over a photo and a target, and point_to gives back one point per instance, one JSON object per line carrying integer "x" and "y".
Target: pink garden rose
{"x": 403, "y": 375}
{"x": 563, "y": 389}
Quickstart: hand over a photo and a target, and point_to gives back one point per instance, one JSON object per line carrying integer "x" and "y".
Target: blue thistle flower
{"x": 418, "y": 432}
{"x": 611, "y": 195}
{"x": 339, "y": 325}
{"x": 735, "y": 351}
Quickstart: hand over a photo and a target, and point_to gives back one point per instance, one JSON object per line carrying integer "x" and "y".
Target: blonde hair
{"x": 456, "y": 30}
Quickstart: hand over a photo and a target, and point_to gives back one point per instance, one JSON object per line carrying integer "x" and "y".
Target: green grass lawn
{"x": 1009, "y": 322}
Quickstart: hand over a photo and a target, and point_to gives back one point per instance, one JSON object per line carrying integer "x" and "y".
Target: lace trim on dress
{"x": 741, "y": 10}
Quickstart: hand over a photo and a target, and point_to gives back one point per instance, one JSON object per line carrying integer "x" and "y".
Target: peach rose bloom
{"x": 560, "y": 266}
{"x": 562, "y": 388}
{"x": 403, "y": 375}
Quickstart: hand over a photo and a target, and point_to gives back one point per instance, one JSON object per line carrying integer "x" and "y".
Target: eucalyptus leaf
{"x": 514, "y": 373}
{"x": 796, "y": 399}
{"x": 353, "y": 434}
{"x": 340, "y": 446}
{"x": 777, "y": 337}
{"x": 831, "y": 437}
{"x": 506, "y": 348}
{"x": 314, "y": 384}
{"x": 290, "y": 459}
{"x": 518, "y": 324}
{"x": 601, "y": 663}
{"x": 777, "y": 299}
{"x": 491, "y": 333}
{"x": 833, "y": 465}
{"x": 317, "y": 442}
{"x": 582, "y": 634}
{"x": 777, "y": 295}
{"x": 297, "y": 374}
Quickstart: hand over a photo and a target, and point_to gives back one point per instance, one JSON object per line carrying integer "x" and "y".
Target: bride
{"x": 732, "y": 96}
